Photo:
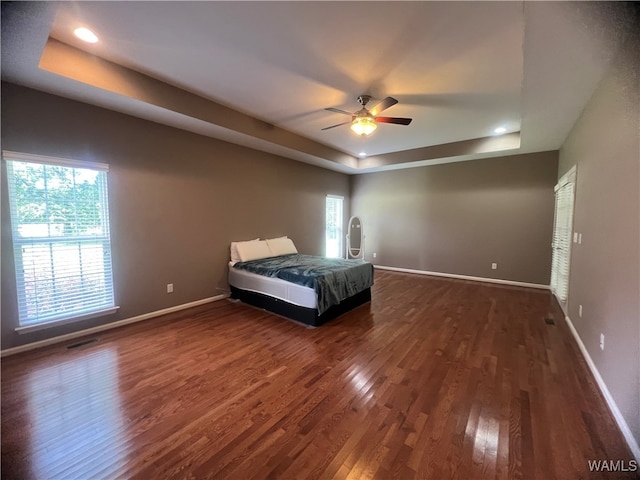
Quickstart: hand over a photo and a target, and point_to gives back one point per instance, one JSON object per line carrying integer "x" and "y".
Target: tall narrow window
{"x": 61, "y": 242}
{"x": 333, "y": 226}
{"x": 562, "y": 232}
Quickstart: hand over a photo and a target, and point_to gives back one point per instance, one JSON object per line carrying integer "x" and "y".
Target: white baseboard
{"x": 622, "y": 424}
{"x": 464, "y": 277}
{"x": 108, "y": 326}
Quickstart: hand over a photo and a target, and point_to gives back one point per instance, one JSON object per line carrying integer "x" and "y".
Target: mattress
{"x": 274, "y": 287}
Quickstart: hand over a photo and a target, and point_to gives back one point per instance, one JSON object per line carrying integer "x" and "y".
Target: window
{"x": 333, "y": 226}
{"x": 62, "y": 248}
{"x": 562, "y": 230}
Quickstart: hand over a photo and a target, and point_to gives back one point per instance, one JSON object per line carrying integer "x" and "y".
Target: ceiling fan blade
{"x": 396, "y": 120}
{"x": 338, "y": 125}
{"x": 337, "y": 110}
{"x": 383, "y": 105}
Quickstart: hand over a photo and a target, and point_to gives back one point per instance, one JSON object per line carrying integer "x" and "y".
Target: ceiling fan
{"x": 363, "y": 122}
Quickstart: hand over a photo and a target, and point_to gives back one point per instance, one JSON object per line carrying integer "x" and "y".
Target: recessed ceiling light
{"x": 500, "y": 130}
{"x": 362, "y": 154}
{"x": 85, "y": 35}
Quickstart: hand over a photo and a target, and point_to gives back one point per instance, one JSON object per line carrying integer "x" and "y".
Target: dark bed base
{"x": 308, "y": 316}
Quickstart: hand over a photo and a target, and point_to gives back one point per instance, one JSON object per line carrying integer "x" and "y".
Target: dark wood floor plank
{"x": 436, "y": 378}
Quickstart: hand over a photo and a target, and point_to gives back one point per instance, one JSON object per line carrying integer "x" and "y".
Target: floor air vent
{"x": 82, "y": 343}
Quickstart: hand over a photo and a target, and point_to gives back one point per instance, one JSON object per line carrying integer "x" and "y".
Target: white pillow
{"x": 235, "y": 257}
{"x": 253, "y": 250}
{"x": 281, "y": 246}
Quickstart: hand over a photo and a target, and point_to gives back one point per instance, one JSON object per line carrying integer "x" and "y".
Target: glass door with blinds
{"x": 562, "y": 233}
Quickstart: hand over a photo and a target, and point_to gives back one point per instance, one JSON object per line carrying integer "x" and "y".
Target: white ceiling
{"x": 459, "y": 69}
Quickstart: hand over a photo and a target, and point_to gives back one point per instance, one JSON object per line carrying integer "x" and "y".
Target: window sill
{"x": 56, "y": 323}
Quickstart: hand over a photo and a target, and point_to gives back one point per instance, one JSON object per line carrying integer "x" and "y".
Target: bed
{"x": 272, "y": 275}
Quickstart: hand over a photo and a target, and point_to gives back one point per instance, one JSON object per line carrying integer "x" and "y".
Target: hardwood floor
{"x": 436, "y": 378}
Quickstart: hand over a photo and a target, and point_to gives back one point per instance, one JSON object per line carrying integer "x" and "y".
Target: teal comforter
{"x": 333, "y": 279}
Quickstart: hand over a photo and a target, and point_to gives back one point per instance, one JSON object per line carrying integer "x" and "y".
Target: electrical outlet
{"x": 494, "y": 266}
{"x": 602, "y": 341}
{"x": 579, "y": 239}
{"x": 580, "y": 311}
{"x": 169, "y": 287}
{"x": 575, "y": 237}
{"x": 375, "y": 254}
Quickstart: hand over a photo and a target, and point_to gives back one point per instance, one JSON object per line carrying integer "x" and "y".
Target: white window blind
{"x": 562, "y": 233}
{"x": 61, "y": 241}
{"x": 333, "y": 226}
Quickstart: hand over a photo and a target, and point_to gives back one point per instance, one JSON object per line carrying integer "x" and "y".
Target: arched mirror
{"x": 355, "y": 239}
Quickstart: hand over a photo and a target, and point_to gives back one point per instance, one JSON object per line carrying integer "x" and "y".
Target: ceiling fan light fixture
{"x": 85, "y": 35}
{"x": 365, "y": 121}
{"x": 364, "y": 125}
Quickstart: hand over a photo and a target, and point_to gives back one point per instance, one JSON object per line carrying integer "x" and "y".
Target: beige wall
{"x": 176, "y": 201}
{"x": 460, "y": 217}
{"x": 605, "y": 267}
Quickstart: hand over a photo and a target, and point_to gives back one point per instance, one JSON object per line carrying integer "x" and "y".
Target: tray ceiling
{"x": 262, "y": 73}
